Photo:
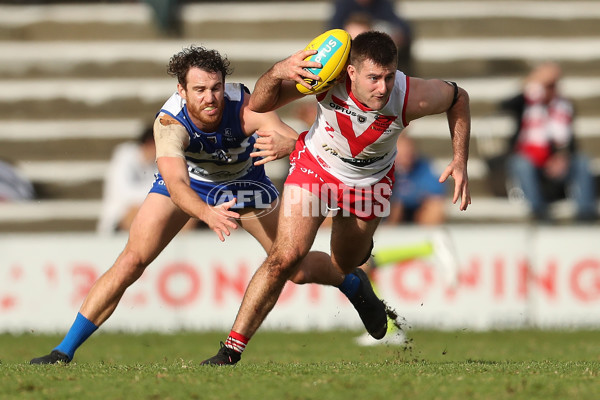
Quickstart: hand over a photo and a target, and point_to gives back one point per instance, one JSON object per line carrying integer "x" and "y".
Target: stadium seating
{"x": 77, "y": 79}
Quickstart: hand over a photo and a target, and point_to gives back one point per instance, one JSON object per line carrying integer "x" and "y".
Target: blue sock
{"x": 81, "y": 329}
{"x": 350, "y": 285}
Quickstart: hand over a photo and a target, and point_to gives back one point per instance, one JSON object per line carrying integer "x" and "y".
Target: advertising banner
{"x": 456, "y": 277}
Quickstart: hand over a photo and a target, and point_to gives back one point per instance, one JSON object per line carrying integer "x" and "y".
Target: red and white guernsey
{"x": 355, "y": 144}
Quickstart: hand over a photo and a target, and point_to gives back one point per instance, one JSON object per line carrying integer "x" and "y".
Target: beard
{"x": 205, "y": 120}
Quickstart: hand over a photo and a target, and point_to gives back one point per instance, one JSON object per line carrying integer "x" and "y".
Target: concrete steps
{"x": 490, "y": 57}
{"x": 296, "y": 19}
{"x": 124, "y": 97}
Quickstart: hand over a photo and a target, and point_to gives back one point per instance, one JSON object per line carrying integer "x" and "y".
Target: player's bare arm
{"x": 273, "y": 145}
{"x": 171, "y": 140}
{"x": 459, "y": 122}
{"x": 428, "y": 97}
{"x": 277, "y": 87}
{"x": 276, "y": 138}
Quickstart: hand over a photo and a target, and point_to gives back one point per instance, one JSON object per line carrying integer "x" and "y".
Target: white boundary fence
{"x": 509, "y": 277}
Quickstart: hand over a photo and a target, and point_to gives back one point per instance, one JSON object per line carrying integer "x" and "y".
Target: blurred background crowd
{"x": 83, "y": 80}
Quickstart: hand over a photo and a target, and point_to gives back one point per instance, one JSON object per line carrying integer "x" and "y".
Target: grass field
{"x": 325, "y": 365}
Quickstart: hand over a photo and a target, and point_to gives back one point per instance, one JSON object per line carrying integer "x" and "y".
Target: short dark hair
{"x": 375, "y": 46}
{"x": 146, "y": 134}
{"x": 199, "y": 57}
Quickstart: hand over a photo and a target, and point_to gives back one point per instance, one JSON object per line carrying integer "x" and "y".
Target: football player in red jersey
{"x": 344, "y": 164}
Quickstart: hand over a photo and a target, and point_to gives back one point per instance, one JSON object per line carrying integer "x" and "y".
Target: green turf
{"x": 433, "y": 365}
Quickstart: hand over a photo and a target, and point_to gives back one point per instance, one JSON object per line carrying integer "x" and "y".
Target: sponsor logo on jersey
{"x": 344, "y": 110}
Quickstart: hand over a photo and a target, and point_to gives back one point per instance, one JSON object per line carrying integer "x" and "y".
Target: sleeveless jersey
{"x": 217, "y": 156}
{"x": 355, "y": 144}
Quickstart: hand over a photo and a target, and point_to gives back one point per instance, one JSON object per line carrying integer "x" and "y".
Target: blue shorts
{"x": 253, "y": 190}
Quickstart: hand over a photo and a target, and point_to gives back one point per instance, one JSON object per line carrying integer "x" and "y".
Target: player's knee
{"x": 283, "y": 264}
{"x": 131, "y": 266}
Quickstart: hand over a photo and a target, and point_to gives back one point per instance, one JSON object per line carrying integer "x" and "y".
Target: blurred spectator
{"x": 358, "y": 23}
{"x": 383, "y": 18}
{"x": 544, "y": 162}
{"x": 418, "y": 195}
{"x": 167, "y": 16}
{"x": 128, "y": 179}
{"x": 13, "y": 186}
{"x": 306, "y": 113}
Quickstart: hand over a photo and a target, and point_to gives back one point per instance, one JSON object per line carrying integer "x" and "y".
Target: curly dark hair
{"x": 372, "y": 45}
{"x": 199, "y": 57}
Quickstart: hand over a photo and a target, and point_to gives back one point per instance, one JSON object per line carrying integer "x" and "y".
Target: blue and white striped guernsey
{"x": 217, "y": 156}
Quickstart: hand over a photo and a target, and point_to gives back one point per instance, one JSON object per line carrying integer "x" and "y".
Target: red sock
{"x": 236, "y": 342}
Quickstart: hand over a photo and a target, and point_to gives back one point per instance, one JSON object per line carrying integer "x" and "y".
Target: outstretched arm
{"x": 428, "y": 97}
{"x": 277, "y": 86}
{"x": 171, "y": 140}
{"x": 459, "y": 121}
{"x": 273, "y": 145}
{"x": 276, "y": 139}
